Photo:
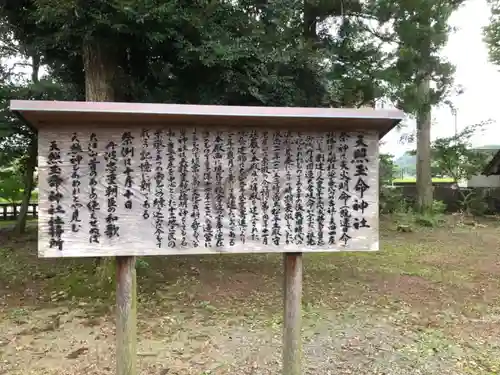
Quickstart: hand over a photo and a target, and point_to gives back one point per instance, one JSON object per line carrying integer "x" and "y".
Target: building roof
{"x": 493, "y": 167}
{"x": 38, "y": 114}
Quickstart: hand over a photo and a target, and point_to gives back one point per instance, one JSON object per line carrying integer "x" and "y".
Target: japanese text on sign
{"x": 192, "y": 191}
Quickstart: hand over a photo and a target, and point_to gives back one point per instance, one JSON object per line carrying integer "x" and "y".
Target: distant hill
{"x": 406, "y": 165}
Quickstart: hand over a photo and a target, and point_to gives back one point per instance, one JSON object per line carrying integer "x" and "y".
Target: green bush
{"x": 409, "y": 218}
{"x": 391, "y": 200}
{"x": 33, "y": 199}
{"x": 477, "y": 204}
{"x": 11, "y": 185}
{"x": 438, "y": 207}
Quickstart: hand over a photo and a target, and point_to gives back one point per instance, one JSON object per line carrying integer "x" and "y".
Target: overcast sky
{"x": 481, "y": 79}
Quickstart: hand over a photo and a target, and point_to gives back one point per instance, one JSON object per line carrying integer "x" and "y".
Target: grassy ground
{"x": 413, "y": 179}
{"x": 12, "y": 223}
{"x": 426, "y": 304}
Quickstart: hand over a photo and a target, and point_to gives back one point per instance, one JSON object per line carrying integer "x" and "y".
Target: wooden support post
{"x": 292, "y": 346}
{"x": 126, "y": 322}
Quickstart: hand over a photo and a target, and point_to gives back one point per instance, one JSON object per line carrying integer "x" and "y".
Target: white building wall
{"x": 484, "y": 181}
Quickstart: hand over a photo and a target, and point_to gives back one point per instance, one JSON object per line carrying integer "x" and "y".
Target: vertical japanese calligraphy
{"x": 145, "y": 167}
{"x": 218, "y": 153}
{"x": 332, "y": 188}
{"x": 183, "y": 185}
{"x": 195, "y": 184}
{"x": 186, "y": 190}
{"x": 288, "y": 197}
{"x": 127, "y": 155}
{"x": 172, "y": 202}
{"x": 93, "y": 204}
{"x": 360, "y": 159}
{"x": 310, "y": 187}
{"x": 254, "y": 185}
{"x": 345, "y": 195}
{"x": 55, "y": 196}
{"x": 159, "y": 194}
{"x": 207, "y": 182}
{"x": 75, "y": 160}
{"x": 231, "y": 181}
{"x": 242, "y": 158}
{"x": 276, "y": 188}
{"x": 264, "y": 170}
{"x": 320, "y": 209}
{"x": 299, "y": 206}
{"x": 112, "y": 229}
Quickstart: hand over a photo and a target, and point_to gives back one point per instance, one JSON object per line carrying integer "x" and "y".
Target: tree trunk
{"x": 99, "y": 64}
{"x": 99, "y": 61}
{"x": 28, "y": 185}
{"x": 100, "y": 67}
{"x": 35, "y": 64}
{"x": 424, "y": 177}
{"x": 31, "y": 160}
{"x": 310, "y": 22}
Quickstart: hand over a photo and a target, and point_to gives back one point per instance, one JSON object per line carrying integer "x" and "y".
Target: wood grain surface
{"x": 201, "y": 195}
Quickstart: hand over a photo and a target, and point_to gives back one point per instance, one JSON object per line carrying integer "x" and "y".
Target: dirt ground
{"x": 427, "y": 303}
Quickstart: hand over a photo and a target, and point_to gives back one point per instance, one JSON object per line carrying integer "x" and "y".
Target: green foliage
{"x": 406, "y": 164}
{"x": 183, "y": 52}
{"x": 15, "y": 136}
{"x": 11, "y": 185}
{"x": 492, "y": 32}
{"x": 391, "y": 200}
{"x": 473, "y": 201}
{"x": 285, "y": 53}
{"x": 478, "y": 205}
{"x": 422, "y": 77}
{"x": 387, "y": 169}
{"x": 456, "y": 158}
{"x": 421, "y": 29}
{"x": 438, "y": 207}
{"x": 408, "y": 217}
{"x": 141, "y": 263}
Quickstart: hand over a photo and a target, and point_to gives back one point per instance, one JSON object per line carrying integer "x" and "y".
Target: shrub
{"x": 391, "y": 200}
{"x": 438, "y": 207}
{"x": 410, "y": 218}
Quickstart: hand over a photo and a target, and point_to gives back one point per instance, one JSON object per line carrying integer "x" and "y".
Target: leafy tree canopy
{"x": 456, "y": 157}
{"x": 492, "y": 32}
{"x": 293, "y": 53}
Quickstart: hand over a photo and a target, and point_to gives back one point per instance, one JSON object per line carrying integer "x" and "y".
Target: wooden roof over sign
{"x": 39, "y": 114}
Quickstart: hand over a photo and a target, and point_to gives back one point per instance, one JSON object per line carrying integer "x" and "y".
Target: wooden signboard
{"x": 125, "y": 179}
{"x": 188, "y": 190}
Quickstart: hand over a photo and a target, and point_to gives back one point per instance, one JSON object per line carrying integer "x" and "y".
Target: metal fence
{"x": 10, "y": 211}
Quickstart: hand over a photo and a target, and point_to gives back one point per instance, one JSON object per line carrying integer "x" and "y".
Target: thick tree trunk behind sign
{"x": 99, "y": 61}
{"x": 100, "y": 68}
{"x": 424, "y": 177}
